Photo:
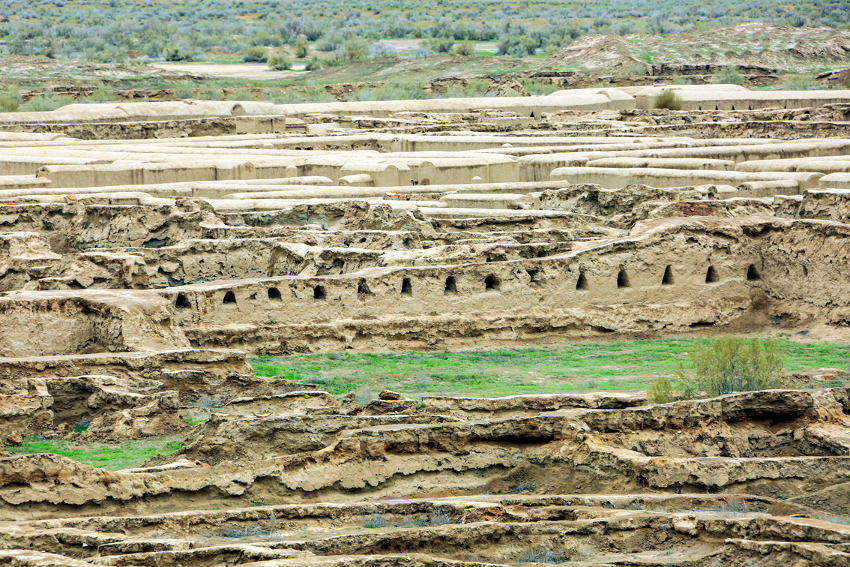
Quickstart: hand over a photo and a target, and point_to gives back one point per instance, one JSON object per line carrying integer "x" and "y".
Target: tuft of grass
{"x": 439, "y": 517}
{"x": 669, "y": 100}
{"x": 83, "y": 425}
{"x": 375, "y": 520}
{"x": 101, "y": 455}
{"x": 541, "y": 555}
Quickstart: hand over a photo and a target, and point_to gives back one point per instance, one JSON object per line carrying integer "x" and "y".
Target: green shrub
{"x": 474, "y": 88}
{"x": 255, "y": 55}
{"x": 301, "y": 47}
{"x": 184, "y": 90}
{"x": 8, "y": 103}
{"x": 800, "y": 83}
{"x": 669, "y": 100}
{"x": 241, "y": 94}
{"x": 391, "y": 90}
{"x": 734, "y": 364}
{"x": 210, "y": 93}
{"x": 313, "y": 64}
{"x": 280, "y": 62}
{"x": 537, "y": 87}
{"x": 729, "y": 75}
{"x": 101, "y": 94}
{"x": 465, "y": 49}
{"x": 661, "y": 391}
{"x": 175, "y": 54}
{"x": 302, "y": 95}
{"x": 45, "y": 102}
{"x": 439, "y": 44}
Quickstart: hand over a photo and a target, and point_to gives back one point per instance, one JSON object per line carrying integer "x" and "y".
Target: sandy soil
{"x": 252, "y": 71}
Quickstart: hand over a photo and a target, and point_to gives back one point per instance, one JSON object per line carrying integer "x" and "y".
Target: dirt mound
{"x": 608, "y": 53}
{"x": 745, "y": 45}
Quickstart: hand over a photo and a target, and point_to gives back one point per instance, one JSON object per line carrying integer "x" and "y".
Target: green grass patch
{"x": 101, "y": 455}
{"x": 579, "y": 367}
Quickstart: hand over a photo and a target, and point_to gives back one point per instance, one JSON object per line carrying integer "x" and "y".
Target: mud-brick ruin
{"x": 146, "y": 248}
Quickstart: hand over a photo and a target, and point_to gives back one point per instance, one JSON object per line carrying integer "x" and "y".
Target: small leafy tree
{"x": 734, "y": 364}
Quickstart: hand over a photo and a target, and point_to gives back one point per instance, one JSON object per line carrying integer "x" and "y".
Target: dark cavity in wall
{"x": 753, "y": 273}
{"x": 451, "y": 285}
{"x": 182, "y": 302}
{"x": 582, "y": 282}
{"x": 363, "y": 289}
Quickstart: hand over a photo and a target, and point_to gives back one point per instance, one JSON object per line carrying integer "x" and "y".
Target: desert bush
{"x": 474, "y": 88}
{"x": 364, "y": 395}
{"x": 439, "y": 44}
{"x": 669, "y": 100}
{"x": 537, "y": 87}
{"x": 800, "y": 83}
{"x": 518, "y": 45}
{"x": 374, "y": 520}
{"x": 255, "y": 55}
{"x": 242, "y": 94}
{"x": 210, "y": 93}
{"x": 541, "y": 555}
{"x": 734, "y": 364}
{"x": 381, "y": 49}
{"x": 313, "y": 64}
{"x": 465, "y": 49}
{"x": 729, "y": 75}
{"x": 176, "y": 54}
{"x": 301, "y": 49}
{"x": 9, "y": 103}
{"x": 354, "y": 50}
{"x": 439, "y": 517}
{"x": 280, "y": 62}
{"x": 660, "y": 391}
{"x": 184, "y": 90}
{"x": 398, "y": 89}
{"x": 45, "y": 102}
{"x": 101, "y": 94}
{"x": 302, "y": 95}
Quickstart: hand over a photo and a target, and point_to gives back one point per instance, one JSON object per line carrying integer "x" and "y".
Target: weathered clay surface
{"x": 137, "y": 272}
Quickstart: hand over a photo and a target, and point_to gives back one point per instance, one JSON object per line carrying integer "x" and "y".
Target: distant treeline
{"x": 120, "y": 30}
